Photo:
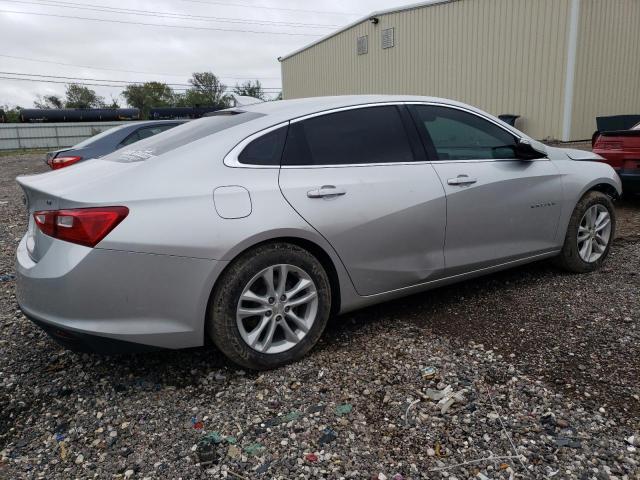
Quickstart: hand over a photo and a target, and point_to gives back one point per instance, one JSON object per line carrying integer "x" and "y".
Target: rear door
{"x": 359, "y": 177}
{"x": 499, "y": 207}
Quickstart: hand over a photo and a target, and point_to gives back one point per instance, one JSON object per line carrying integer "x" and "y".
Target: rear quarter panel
{"x": 172, "y": 211}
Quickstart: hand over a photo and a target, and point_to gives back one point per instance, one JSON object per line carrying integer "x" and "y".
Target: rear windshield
{"x": 181, "y": 135}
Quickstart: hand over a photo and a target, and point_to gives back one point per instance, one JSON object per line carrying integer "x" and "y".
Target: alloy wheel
{"x": 277, "y": 308}
{"x": 594, "y": 233}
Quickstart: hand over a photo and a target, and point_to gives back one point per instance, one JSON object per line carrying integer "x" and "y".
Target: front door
{"x": 499, "y": 208}
{"x": 353, "y": 176}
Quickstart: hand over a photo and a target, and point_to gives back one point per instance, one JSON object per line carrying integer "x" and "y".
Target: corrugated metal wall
{"x": 504, "y": 56}
{"x": 16, "y": 136}
{"x": 607, "y": 78}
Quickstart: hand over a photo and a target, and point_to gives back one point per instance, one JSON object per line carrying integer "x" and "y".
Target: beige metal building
{"x": 557, "y": 63}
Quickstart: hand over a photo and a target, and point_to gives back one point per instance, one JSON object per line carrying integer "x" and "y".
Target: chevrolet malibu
{"x": 249, "y": 228}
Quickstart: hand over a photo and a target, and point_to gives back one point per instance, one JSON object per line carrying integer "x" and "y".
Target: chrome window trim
{"x": 427, "y": 162}
{"x": 467, "y": 110}
{"x": 490, "y": 160}
{"x": 344, "y": 109}
{"x": 355, "y": 165}
{"x": 408, "y": 102}
{"x": 231, "y": 158}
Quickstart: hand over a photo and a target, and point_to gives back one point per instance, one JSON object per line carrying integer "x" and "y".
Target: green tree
{"x": 48, "y": 101}
{"x": 79, "y": 96}
{"x": 207, "y": 90}
{"x": 12, "y": 113}
{"x": 180, "y": 100}
{"x": 114, "y": 103}
{"x": 250, "y": 89}
{"x": 148, "y": 95}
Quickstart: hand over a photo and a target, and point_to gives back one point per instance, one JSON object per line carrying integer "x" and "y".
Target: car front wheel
{"x": 590, "y": 233}
{"x": 270, "y": 307}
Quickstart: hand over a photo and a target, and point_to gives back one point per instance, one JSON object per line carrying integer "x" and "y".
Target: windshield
{"x": 88, "y": 141}
{"x": 181, "y": 135}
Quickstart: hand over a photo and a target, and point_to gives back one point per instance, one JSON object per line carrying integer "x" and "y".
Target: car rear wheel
{"x": 589, "y": 235}
{"x": 270, "y": 307}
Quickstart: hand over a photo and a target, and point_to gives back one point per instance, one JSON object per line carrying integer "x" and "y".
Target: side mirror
{"x": 526, "y": 151}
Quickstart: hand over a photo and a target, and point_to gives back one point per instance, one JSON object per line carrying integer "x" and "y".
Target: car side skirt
{"x": 353, "y": 304}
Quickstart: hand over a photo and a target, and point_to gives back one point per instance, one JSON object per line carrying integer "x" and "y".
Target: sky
{"x": 238, "y": 40}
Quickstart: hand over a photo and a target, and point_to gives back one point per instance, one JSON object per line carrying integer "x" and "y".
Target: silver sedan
{"x": 249, "y": 228}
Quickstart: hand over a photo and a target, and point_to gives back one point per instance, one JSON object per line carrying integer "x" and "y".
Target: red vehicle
{"x": 621, "y": 150}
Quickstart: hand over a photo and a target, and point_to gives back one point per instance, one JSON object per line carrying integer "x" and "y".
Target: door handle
{"x": 462, "y": 180}
{"x": 326, "y": 191}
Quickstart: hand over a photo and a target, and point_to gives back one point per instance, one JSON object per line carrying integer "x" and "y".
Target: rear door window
{"x": 359, "y": 136}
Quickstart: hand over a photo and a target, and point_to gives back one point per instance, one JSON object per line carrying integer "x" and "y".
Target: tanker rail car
{"x": 34, "y": 115}
{"x": 171, "y": 113}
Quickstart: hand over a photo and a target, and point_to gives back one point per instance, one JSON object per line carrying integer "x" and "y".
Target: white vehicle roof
{"x": 283, "y": 110}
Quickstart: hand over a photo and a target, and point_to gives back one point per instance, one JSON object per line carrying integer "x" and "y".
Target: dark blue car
{"x": 108, "y": 141}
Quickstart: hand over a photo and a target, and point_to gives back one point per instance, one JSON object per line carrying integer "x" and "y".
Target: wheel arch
{"x": 604, "y": 187}
{"x": 324, "y": 257}
{"x": 326, "y": 262}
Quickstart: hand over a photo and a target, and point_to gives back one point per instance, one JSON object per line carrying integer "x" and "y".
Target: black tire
{"x": 221, "y": 323}
{"x": 569, "y": 258}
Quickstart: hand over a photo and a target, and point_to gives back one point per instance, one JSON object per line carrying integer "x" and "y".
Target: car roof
{"x": 285, "y": 110}
{"x": 146, "y": 123}
{"x": 134, "y": 124}
{"x": 275, "y": 113}
{"x": 307, "y": 106}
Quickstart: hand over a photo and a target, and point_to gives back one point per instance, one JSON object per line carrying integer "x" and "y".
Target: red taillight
{"x": 632, "y": 165}
{"x": 84, "y": 226}
{"x": 61, "y": 162}
{"x": 608, "y": 145}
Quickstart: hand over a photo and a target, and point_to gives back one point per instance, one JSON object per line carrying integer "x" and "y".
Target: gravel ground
{"x": 544, "y": 367}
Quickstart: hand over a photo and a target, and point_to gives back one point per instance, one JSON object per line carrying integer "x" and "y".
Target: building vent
{"x": 363, "y": 45}
{"x": 388, "y": 39}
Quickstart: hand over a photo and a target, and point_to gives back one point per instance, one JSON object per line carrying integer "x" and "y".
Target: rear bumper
{"x": 630, "y": 181}
{"x": 112, "y": 301}
{"x": 83, "y": 342}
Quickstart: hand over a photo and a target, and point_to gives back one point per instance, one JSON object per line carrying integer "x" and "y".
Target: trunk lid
{"x": 72, "y": 187}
